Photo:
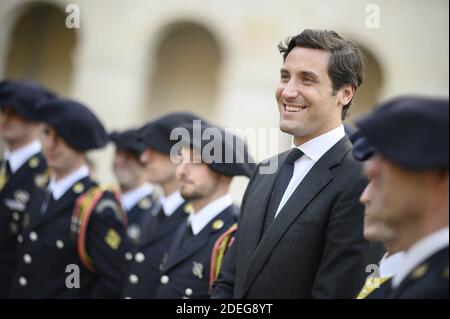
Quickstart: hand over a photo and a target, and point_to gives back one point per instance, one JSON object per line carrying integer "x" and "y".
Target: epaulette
{"x": 85, "y": 206}
{"x": 220, "y": 248}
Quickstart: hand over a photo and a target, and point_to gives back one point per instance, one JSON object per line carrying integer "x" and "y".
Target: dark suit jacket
{"x": 188, "y": 268}
{"x": 48, "y": 246}
{"x": 314, "y": 248}
{"x": 14, "y": 199}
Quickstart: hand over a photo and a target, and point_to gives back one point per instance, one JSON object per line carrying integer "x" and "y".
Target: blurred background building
{"x": 133, "y": 60}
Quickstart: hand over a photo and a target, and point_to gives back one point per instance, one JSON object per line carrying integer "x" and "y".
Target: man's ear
{"x": 346, "y": 94}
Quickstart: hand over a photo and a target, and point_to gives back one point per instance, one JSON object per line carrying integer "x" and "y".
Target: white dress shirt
{"x": 198, "y": 220}
{"x": 312, "y": 150}
{"x": 389, "y": 265}
{"x": 20, "y": 156}
{"x": 130, "y": 198}
{"x": 419, "y": 252}
{"x": 59, "y": 188}
{"x": 171, "y": 203}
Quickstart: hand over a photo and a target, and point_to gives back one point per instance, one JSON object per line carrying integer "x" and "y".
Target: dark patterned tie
{"x": 281, "y": 183}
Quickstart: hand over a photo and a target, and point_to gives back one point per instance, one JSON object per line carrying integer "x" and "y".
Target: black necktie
{"x": 46, "y": 201}
{"x": 157, "y": 219}
{"x": 281, "y": 183}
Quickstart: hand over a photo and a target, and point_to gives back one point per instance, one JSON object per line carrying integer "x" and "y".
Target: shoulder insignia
{"x": 218, "y": 224}
{"x": 144, "y": 203}
{"x": 113, "y": 239}
{"x": 419, "y": 272}
{"x": 78, "y": 188}
{"x": 41, "y": 180}
{"x": 34, "y": 162}
{"x": 188, "y": 209}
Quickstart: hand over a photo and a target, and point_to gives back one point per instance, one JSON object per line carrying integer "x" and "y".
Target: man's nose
{"x": 290, "y": 90}
{"x": 364, "y": 198}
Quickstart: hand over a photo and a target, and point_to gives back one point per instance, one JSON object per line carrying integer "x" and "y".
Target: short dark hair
{"x": 346, "y": 62}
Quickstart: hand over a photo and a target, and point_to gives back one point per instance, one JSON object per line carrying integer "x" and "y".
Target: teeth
{"x": 289, "y": 108}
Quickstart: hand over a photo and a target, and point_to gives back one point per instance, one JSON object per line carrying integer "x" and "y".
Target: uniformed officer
{"x": 75, "y": 241}
{"x": 205, "y": 172}
{"x": 21, "y": 162}
{"x": 136, "y": 192}
{"x": 409, "y": 186}
{"x": 378, "y": 283}
{"x": 159, "y": 226}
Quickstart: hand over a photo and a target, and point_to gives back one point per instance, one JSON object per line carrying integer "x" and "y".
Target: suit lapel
{"x": 252, "y": 226}
{"x": 317, "y": 178}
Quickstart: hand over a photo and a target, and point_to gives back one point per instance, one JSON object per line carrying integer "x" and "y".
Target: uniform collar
{"x": 20, "y": 156}
{"x": 200, "y": 219}
{"x": 321, "y": 144}
{"x": 59, "y": 188}
{"x": 130, "y": 198}
{"x": 389, "y": 264}
{"x": 419, "y": 252}
{"x": 171, "y": 203}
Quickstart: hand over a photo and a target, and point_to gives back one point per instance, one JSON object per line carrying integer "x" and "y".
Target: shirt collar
{"x": 389, "y": 264}
{"x": 319, "y": 145}
{"x": 18, "y": 157}
{"x": 130, "y": 198}
{"x": 171, "y": 203}
{"x": 419, "y": 252}
{"x": 200, "y": 219}
{"x": 59, "y": 188}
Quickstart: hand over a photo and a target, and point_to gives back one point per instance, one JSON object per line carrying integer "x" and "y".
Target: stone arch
{"x": 185, "y": 71}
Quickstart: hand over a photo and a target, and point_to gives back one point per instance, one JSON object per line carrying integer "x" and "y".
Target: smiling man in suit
{"x": 300, "y": 229}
